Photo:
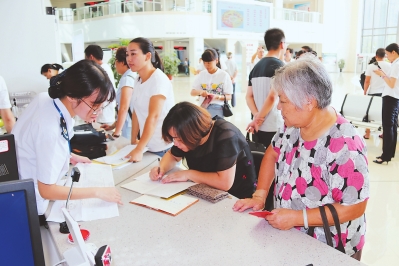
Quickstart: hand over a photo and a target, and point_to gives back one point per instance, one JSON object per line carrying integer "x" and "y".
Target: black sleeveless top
{"x": 225, "y": 147}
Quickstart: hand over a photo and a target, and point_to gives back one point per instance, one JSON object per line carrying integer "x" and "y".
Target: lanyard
{"x": 63, "y": 125}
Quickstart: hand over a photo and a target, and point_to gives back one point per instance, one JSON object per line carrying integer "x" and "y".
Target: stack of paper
{"x": 144, "y": 185}
{"x": 91, "y": 175}
{"x": 172, "y": 206}
{"x": 118, "y": 158}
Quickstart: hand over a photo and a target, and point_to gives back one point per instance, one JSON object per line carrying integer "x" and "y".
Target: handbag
{"x": 254, "y": 145}
{"x": 326, "y": 227}
{"x": 88, "y": 142}
{"x": 86, "y": 134}
{"x": 207, "y": 193}
{"x": 226, "y": 108}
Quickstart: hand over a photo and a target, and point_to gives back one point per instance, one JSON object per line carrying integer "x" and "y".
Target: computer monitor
{"x": 8, "y": 158}
{"x": 21, "y": 242}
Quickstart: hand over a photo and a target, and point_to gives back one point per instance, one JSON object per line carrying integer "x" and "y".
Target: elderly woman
{"x": 316, "y": 159}
{"x": 216, "y": 152}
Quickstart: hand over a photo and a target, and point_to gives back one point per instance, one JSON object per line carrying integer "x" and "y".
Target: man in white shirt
{"x": 95, "y": 53}
{"x": 374, "y": 84}
{"x": 232, "y": 70}
{"x": 5, "y": 105}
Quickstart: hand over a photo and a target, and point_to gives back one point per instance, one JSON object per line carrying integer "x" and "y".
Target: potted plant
{"x": 170, "y": 64}
{"x": 341, "y": 64}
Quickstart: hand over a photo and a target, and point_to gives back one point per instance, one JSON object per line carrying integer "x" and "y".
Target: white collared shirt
{"x": 42, "y": 152}
{"x": 393, "y": 92}
{"x": 4, "y": 98}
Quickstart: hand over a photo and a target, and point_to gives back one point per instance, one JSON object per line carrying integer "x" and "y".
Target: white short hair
{"x": 303, "y": 80}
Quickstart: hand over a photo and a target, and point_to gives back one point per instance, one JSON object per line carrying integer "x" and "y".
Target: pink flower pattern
{"x": 330, "y": 169}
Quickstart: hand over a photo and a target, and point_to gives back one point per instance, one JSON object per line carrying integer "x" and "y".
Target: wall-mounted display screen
{"x": 242, "y": 17}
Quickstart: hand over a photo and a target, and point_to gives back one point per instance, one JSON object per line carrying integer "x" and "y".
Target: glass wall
{"x": 380, "y": 24}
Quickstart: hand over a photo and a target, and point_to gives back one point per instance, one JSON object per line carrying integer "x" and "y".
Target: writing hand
{"x": 155, "y": 175}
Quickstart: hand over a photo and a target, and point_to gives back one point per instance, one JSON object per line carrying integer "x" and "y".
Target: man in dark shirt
{"x": 261, "y": 98}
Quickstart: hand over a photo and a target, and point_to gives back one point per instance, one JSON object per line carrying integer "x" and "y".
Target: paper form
{"x": 144, "y": 185}
{"x": 118, "y": 158}
{"x": 91, "y": 175}
{"x": 171, "y": 206}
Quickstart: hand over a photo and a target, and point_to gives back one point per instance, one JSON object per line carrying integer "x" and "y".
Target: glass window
{"x": 390, "y": 39}
{"x": 367, "y": 32}
{"x": 380, "y": 13}
{"x": 366, "y": 47}
{"x": 393, "y": 11}
{"x": 379, "y": 31}
{"x": 368, "y": 14}
{"x": 380, "y": 22}
{"x": 378, "y": 42}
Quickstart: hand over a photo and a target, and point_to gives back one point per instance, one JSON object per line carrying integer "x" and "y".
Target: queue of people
{"x": 313, "y": 154}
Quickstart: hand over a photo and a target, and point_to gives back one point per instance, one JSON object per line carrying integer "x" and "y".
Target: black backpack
{"x": 91, "y": 144}
{"x": 362, "y": 79}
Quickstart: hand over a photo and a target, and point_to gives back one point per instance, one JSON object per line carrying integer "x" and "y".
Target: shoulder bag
{"x": 326, "y": 227}
{"x": 226, "y": 108}
{"x": 254, "y": 145}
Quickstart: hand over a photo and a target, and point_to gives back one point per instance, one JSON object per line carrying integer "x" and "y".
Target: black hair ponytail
{"x": 157, "y": 61}
{"x": 55, "y": 90}
{"x": 147, "y": 47}
{"x": 81, "y": 80}
{"x": 46, "y": 67}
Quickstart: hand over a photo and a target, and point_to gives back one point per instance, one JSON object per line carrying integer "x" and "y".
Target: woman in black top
{"x": 216, "y": 152}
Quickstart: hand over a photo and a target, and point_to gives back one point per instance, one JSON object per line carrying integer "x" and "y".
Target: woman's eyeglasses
{"x": 95, "y": 111}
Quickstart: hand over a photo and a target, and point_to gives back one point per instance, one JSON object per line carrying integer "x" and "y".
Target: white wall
{"x": 28, "y": 41}
{"x": 341, "y": 30}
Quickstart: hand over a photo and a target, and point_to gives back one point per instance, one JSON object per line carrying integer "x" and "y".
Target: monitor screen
{"x": 19, "y": 224}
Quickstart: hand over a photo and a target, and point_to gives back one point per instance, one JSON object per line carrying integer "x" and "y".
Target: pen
{"x": 159, "y": 170}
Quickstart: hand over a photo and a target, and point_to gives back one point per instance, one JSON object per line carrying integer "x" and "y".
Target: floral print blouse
{"x": 332, "y": 168}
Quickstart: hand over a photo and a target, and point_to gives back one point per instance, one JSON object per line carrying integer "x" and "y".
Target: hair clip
{"x": 56, "y": 80}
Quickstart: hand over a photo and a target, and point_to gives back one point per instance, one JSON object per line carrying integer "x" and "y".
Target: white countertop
{"x": 203, "y": 234}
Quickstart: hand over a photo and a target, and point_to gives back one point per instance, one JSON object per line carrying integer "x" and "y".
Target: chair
{"x": 258, "y": 156}
{"x": 375, "y": 111}
{"x": 355, "y": 106}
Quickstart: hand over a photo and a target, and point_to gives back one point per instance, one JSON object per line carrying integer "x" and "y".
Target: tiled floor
{"x": 382, "y": 238}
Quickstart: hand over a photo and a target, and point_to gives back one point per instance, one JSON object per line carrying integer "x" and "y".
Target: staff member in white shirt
{"x": 43, "y": 132}
{"x": 5, "y": 105}
{"x": 390, "y": 105}
{"x": 152, "y": 99}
